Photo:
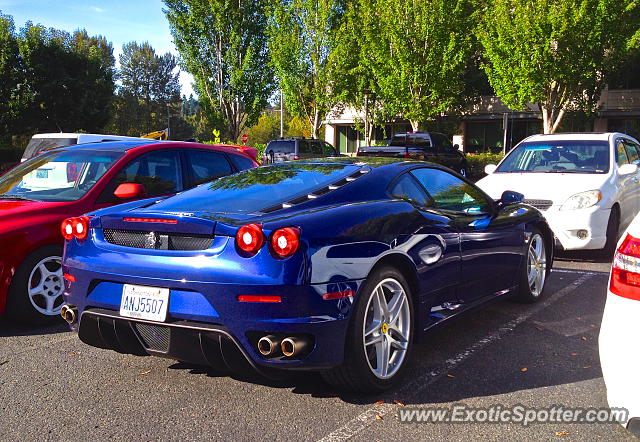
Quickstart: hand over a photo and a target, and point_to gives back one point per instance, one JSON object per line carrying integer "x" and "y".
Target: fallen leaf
{"x": 587, "y": 366}
{"x": 72, "y": 354}
{"x": 562, "y": 433}
{"x": 378, "y": 417}
{"x": 523, "y": 369}
{"x": 4, "y": 362}
{"x": 449, "y": 375}
{"x": 398, "y": 403}
{"x": 539, "y": 328}
{"x": 573, "y": 354}
{"x": 379, "y": 402}
{"x": 145, "y": 372}
{"x": 584, "y": 338}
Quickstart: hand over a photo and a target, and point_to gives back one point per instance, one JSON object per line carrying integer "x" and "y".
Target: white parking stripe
{"x": 363, "y": 420}
{"x": 579, "y": 272}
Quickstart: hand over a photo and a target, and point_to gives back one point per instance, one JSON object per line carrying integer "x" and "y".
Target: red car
{"x": 37, "y": 195}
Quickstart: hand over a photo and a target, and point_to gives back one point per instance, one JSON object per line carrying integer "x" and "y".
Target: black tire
{"x": 613, "y": 227}
{"x": 531, "y": 292}
{"x": 19, "y": 306}
{"x": 356, "y": 372}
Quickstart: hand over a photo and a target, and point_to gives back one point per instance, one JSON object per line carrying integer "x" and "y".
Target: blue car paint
{"x": 345, "y": 233}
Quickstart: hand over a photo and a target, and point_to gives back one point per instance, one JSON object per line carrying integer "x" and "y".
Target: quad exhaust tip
{"x": 269, "y": 345}
{"x": 292, "y": 346}
{"x": 69, "y": 313}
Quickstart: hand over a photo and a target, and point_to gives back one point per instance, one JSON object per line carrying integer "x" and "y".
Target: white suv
{"x": 586, "y": 185}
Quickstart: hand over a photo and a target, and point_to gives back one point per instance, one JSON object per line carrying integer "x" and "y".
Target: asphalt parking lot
{"x": 53, "y": 387}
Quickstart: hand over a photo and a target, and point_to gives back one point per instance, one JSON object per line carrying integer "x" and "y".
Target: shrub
{"x": 477, "y": 162}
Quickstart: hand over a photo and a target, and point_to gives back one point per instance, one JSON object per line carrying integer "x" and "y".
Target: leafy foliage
{"x": 302, "y": 34}
{"x": 149, "y": 93}
{"x": 414, "y": 53}
{"x": 553, "y": 52}
{"x": 477, "y": 162}
{"x": 223, "y": 45}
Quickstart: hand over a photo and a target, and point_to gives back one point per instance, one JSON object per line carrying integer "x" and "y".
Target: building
{"x": 481, "y": 128}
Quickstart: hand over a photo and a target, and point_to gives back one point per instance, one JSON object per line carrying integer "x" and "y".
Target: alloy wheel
{"x": 386, "y": 328}
{"x": 45, "y": 286}
{"x": 537, "y": 265}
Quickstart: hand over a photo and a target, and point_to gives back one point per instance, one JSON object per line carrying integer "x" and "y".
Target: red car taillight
{"x": 250, "y": 238}
{"x": 285, "y": 242}
{"x": 625, "y": 272}
{"x": 77, "y": 227}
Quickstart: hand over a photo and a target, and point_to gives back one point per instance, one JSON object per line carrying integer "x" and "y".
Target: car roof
{"x": 605, "y": 136}
{"x": 126, "y": 145}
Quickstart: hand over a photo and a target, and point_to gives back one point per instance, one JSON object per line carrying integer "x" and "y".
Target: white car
{"x": 620, "y": 329}
{"x": 587, "y": 185}
{"x": 41, "y": 142}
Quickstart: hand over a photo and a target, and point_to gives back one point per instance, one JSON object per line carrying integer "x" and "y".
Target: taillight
{"x": 250, "y": 238}
{"x": 77, "y": 227}
{"x": 285, "y": 242}
{"x": 625, "y": 272}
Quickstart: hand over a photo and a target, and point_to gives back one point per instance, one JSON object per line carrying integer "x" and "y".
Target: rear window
{"x": 241, "y": 162}
{"x": 257, "y": 189}
{"x": 37, "y": 145}
{"x": 398, "y": 140}
{"x": 282, "y": 146}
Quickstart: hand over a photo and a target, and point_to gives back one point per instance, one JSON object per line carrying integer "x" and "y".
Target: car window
{"x": 207, "y": 165}
{"x": 63, "y": 175}
{"x": 442, "y": 141}
{"x": 241, "y": 162}
{"x": 281, "y": 146}
{"x": 316, "y": 147}
{"x": 621, "y": 154}
{"x": 451, "y": 193}
{"x": 407, "y": 188}
{"x": 304, "y": 148}
{"x": 421, "y": 141}
{"x": 158, "y": 172}
{"x": 632, "y": 151}
{"x": 328, "y": 149}
{"x": 398, "y": 140}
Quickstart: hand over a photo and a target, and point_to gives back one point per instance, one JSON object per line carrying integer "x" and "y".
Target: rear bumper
{"x": 188, "y": 341}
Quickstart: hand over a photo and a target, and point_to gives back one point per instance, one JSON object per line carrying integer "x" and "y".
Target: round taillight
{"x": 250, "y": 238}
{"x": 80, "y": 227}
{"x": 285, "y": 242}
{"x": 66, "y": 229}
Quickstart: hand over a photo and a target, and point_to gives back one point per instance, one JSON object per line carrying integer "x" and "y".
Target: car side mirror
{"x": 130, "y": 190}
{"x": 456, "y": 147}
{"x": 490, "y": 168}
{"x": 510, "y": 197}
{"x": 627, "y": 169}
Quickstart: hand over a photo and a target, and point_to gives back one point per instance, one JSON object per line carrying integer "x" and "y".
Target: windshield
{"x": 256, "y": 189}
{"x": 282, "y": 146}
{"x": 37, "y": 145}
{"x": 565, "y": 156}
{"x": 57, "y": 176}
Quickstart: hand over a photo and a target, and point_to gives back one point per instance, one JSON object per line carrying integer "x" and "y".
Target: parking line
{"x": 366, "y": 418}
{"x": 579, "y": 272}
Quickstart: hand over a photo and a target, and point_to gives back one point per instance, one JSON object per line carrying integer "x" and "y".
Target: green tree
{"x": 223, "y": 45}
{"x": 414, "y": 53}
{"x": 149, "y": 95}
{"x": 302, "y": 34}
{"x": 553, "y": 52}
{"x": 11, "y": 77}
{"x": 68, "y": 79}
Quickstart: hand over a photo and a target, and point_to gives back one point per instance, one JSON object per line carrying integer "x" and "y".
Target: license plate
{"x": 143, "y": 302}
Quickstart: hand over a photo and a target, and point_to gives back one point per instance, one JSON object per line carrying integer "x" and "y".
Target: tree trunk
{"x": 415, "y": 126}
{"x": 552, "y": 115}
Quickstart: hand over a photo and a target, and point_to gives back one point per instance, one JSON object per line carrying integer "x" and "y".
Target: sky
{"x": 119, "y": 21}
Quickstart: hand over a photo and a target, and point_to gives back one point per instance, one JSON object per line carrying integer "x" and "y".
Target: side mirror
{"x": 627, "y": 169}
{"x": 456, "y": 147}
{"x": 130, "y": 190}
{"x": 510, "y": 197}
{"x": 490, "y": 168}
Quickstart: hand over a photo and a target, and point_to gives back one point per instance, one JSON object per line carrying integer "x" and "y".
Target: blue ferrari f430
{"x": 334, "y": 266}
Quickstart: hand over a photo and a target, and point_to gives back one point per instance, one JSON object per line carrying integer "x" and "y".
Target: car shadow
{"x": 556, "y": 346}
{"x": 592, "y": 256}
{"x": 8, "y": 328}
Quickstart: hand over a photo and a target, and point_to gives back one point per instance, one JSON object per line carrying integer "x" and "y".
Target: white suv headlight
{"x": 582, "y": 200}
